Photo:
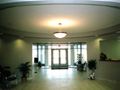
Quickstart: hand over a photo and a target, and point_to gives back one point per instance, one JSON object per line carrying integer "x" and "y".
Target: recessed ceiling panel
{"x": 45, "y": 18}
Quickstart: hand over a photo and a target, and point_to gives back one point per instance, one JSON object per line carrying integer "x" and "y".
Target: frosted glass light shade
{"x": 60, "y": 34}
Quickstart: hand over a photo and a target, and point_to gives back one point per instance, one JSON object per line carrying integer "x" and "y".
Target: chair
{"x": 8, "y": 77}
{"x": 1, "y": 86}
{"x": 81, "y": 67}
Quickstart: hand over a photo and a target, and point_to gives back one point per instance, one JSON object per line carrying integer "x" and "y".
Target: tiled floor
{"x": 64, "y": 79}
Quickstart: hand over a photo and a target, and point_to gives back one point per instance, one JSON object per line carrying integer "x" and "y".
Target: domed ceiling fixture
{"x": 60, "y": 34}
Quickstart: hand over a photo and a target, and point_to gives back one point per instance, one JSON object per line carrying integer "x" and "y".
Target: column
{"x": 72, "y": 55}
{"x": 46, "y": 55}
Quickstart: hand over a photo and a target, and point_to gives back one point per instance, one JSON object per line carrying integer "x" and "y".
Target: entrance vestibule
{"x": 59, "y": 59}
{"x": 59, "y": 55}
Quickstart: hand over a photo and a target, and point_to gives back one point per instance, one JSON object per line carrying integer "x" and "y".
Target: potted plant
{"x": 92, "y": 68}
{"x": 24, "y": 69}
{"x": 39, "y": 64}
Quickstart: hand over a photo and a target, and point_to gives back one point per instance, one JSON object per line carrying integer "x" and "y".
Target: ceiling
{"x": 40, "y": 19}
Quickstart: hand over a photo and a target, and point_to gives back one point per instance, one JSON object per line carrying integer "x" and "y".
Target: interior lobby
{"x": 27, "y": 32}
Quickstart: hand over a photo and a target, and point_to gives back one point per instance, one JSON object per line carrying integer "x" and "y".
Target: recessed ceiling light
{"x": 118, "y": 32}
{"x": 96, "y": 35}
{"x": 1, "y": 33}
{"x": 21, "y": 36}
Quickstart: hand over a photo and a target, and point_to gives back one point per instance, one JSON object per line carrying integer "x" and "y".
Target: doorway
{"x": 59, "y": 59}
{"x": 44, "y": 53}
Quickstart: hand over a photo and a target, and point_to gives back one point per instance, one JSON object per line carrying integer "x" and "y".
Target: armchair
{"x": 8, "y": 77}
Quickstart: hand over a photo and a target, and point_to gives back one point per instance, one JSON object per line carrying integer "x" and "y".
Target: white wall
{"x": 93, "y": 49}
{"x": 111, "y": 48}
{"x": 108, "y": 71}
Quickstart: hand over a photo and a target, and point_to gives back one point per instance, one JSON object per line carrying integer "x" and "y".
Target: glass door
{"x": 55, "y": 58}
{"x": 59, "y": 58}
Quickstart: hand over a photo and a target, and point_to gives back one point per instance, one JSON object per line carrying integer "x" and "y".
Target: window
{"x": 43, "y": 52}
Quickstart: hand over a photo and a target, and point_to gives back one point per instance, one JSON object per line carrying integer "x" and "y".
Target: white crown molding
{"x": 12, "y": 3}
{"x": 9, "y": 1}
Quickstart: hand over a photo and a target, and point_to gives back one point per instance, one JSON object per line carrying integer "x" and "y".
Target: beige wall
{"x": 15, "y": 50}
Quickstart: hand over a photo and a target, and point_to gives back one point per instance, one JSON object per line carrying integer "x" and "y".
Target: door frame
{"x": 60, "y": 66}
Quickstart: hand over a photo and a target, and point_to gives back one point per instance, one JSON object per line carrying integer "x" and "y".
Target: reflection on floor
{"x": 64, "y": 79}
